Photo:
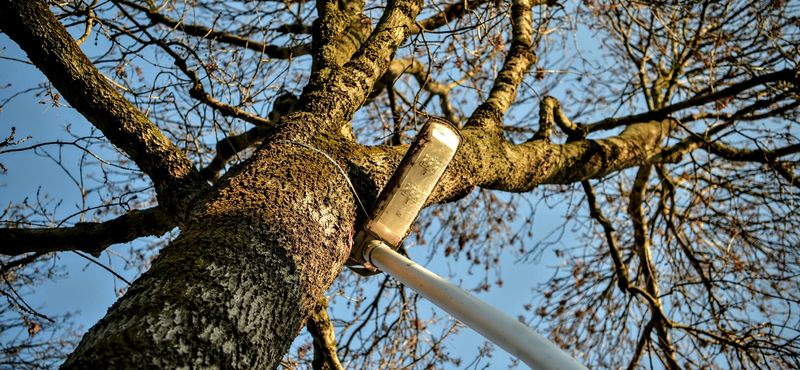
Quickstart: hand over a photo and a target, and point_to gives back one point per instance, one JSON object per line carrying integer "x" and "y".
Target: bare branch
{"x": 321, "y": 329}
{"x": 457, "y": 10}
{"x": 519, "y": 60}
{"x": 230, "y": 146}
{"x": 785, "y": 170}
{"x": 643, "y": 339}
{"x": 48, "y": 45}
{"x": 9, "y": 141}
{"x": 198, "y": 92}
{"x": 573, "y": 130}
{"x": 420, "y": 73}
{"x": 546, "y": 107}
{"x": 89, "y": 22}
{"x": 642, "y": 248}
{"x": 272, "y": 51}
{"x": 750, "y": 155}
{"x": 449, "y": 13}
{"x": 788, "y": 75}
{"x": 89, "y": 237}
{"x": 597, "y": 214}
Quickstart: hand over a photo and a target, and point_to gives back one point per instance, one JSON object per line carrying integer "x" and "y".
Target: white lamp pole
{"x": 516, "y": 338}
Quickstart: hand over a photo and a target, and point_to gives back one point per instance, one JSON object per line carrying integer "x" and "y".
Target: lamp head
{"x": 407, "y": 191}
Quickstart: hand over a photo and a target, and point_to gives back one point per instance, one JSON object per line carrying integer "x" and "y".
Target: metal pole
{"x": 511, "y": 335}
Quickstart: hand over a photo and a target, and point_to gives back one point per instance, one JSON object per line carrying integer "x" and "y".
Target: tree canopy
{"x": 252, "y": 136}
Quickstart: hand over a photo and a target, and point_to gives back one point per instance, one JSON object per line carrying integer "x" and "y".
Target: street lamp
{"x": 403, "y": 197}
{"x": 389, "y": 223}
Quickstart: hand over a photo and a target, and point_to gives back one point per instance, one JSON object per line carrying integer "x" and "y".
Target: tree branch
{"x": 582, "y": 160}
{"x": 89, "y": 237}
{"x": 749, "y": 117}
{"x": 785, "y": 170}
{"x": 450, "y": 12}
{"x": 321, "y": 329}
{"x": 550, "y": 110}
{"x": 750, "y": 155}
{"x": 668, "y": 186}
{"x": 546, "y": 119}
{"x": 51, "y": 48}
{"x": 643, "y": 339}
{"x": 789, "y": 75}
{"x": 420, "y": 73}
{"x": 230, "y": 146}
{"x": 334, "y": 95}
{"x": 595, "y": 212}
{"x": 642, "y": 248}
{"x": 20, "y": 262}
{"x": 695, "y": 140}
{"x": 573, "y": 130}
{"x": 198, "y": 92}
{"x": 519, "y": 60}
{"x": 457, "y": 10}
{"x": 769, "y": 157}
{"x": 338, "y": 32}
{"x": 272, "y": 51}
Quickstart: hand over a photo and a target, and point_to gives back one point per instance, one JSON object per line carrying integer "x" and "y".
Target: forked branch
{"x": 642, "y": 248}
{"x": 420, "y": 73}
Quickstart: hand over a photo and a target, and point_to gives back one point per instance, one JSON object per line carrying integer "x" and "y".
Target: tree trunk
{"x": 236, "y": 287}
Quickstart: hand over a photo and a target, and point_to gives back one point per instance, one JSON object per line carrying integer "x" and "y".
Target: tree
{"x": 262, "y": 126}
